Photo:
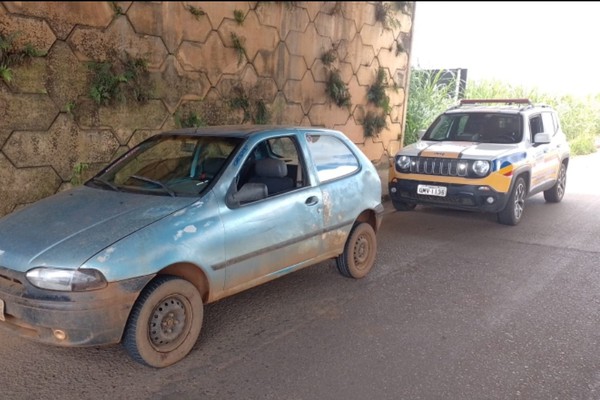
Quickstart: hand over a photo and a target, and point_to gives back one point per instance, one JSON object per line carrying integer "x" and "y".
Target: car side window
{"x": 535, "y": 125}
{"x": 548, "y": 123}
{"x": 332, "y": 158}
{"x": 276, "y": 163}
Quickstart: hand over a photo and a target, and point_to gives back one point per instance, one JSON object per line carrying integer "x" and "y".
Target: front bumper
{"x": 458, "y": 196}
{"x": 90, "y": 318}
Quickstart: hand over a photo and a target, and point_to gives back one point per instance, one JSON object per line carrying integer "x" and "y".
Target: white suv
{"x": 484, "y": 155}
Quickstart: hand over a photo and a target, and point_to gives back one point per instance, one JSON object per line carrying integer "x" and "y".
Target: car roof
{"x": 506, "y": 106}
{"x": 241, "y": 131}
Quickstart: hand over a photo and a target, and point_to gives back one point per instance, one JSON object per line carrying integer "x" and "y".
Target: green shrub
{"x": 337, "y": 90}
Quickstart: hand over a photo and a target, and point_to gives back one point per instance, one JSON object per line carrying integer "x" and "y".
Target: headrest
{"x": 271, "y": 168}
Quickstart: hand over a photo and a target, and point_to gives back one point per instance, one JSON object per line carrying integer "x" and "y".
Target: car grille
{"x": 436, "y": 166}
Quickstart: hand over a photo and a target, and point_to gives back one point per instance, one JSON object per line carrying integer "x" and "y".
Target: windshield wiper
{"x": 105, "y": 183}
{"x": 155, "y": 182}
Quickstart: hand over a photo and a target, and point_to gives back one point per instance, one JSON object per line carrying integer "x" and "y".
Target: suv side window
{"x": 548, "y": 121}
{"x": 535, "y": 125}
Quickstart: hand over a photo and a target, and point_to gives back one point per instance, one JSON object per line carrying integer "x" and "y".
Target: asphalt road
{"x": 457, "y": 307}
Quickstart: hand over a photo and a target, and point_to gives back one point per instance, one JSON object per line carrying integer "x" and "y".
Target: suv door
{"x": 540, "y": 165}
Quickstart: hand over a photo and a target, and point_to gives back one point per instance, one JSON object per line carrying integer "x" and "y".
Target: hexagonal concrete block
{"x": 216, "y": 11}
{"x": 253, "y": 36}
{"x": 353, "y": 130}
{"x": 390, "y": 59}
{"x": 62, "y": 146}
{"x": 283, "y": 16}
{"x": 358, "y": 54}
{"x": 211, "y": 57}
{"x": 39, "y": 114}
{"x": 33, "y": 31}
{"x": 30, "y": 77}
{"x": 172, "y": 84}
{"x": 62, "y": 16}
{"x": 126, "y": 118}
{"x": 24, "y": 186}
{"x": 360, "y": 12}
{"x": 328, "y": 115}
{"x": 335, "y": 27}
{"x": 377, "y": 36}
{"x": 314, "y": 7}
{"x": 309, "y": 44}
{"x": 284, "y": 113}
{"x": 306, "y": 92}
{"x": 4, "y": 134}
{"x": 140, "y": 135}
{"x": 67, "y": 76}
{"x": 173, "y": 21}
{"x": 373, "y": 150}
{"x": 357, "y": 91}
{"x": 280, "y": 65}
{"x": 367, "y": 75}
{"x": 118, "y": 38}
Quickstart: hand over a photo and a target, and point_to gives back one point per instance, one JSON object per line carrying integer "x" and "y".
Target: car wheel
{"x": 513, "y": 211}
{"x": 556, "y": 192}
{"x": 402, "y": 206}
{"x": 359, "y": 252}
{"x": 164, "y": 323}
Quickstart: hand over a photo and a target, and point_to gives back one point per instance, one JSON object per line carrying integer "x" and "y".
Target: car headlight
{"x": 481, "y": 167}
{"x": 68, "y": 280}
{"x": 403, "y": 163}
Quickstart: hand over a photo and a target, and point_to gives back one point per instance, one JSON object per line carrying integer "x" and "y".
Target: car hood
{"x": 472, "y": 150}
{"x": 68, "y": 228}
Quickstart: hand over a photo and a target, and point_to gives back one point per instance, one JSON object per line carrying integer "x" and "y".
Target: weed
{"x": 70, "y": 107}
{"x": 262, "y": 115}
{"x": 385, "y": 14}
{"x": 373, "y": 124}
{"x": 6, "y": 73}
{"x": 189, "y": 120}
{"x": 337, "y": 90}
{"x": 239, "y": 16}
{"x": 10, "y": 56}
{"x": 78, "y": 171}
{"x": 196, "y": 12}
{"x": 116, "y": 8}
{"x": 399, "y": 48}
{"x": 329, "y": 57}
{"x": 376, "y": 93}
{"x": 238, "y": 45}
{"x": 255, "y": 110}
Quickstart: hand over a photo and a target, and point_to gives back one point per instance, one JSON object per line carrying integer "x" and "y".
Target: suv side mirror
{"x": 541, "y": 138}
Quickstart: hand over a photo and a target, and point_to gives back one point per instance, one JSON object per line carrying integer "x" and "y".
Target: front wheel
{"x": 513, "y": 211}
{"x": 403, "y": 206}
{"x": 556, "y": 192}
{"x": 359, "y": 252}
{"x": 164, "y": 323}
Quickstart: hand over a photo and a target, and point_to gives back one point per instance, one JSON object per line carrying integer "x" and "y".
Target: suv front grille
{"x": 437, "y": 166}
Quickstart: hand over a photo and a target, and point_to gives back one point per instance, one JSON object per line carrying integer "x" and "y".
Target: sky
{"x": 552, "y": 46}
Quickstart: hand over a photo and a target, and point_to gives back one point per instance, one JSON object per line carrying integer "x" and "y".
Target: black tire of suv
{"x": 402, "y": 206}
{"x": 513, "y": 211}
{"x": 556, "y": 192}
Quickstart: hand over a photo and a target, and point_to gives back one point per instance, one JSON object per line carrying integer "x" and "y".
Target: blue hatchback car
{"x": 185, "y": 218}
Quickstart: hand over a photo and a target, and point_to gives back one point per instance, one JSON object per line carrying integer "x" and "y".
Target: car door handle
{"x": 311, "y": 201}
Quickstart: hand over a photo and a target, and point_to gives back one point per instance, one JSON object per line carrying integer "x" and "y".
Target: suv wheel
{"x": 556, "y": 192}
{"x": 513, "y": 211}
{"x": 402, "y": 206}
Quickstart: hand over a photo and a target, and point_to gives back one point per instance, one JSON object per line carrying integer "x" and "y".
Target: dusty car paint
{"x": 220, "y": 247}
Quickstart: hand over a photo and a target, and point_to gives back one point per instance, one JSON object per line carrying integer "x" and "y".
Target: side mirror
{"x": 541, "y": 138}
{"x": 250, "y": 192}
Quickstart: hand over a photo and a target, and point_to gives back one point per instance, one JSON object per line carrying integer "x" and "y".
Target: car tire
{"x": 556, "y": 192}
{"x": 402, "y": 206}
{"x": 359, "y": 252}
{"x": 513, "y": 211}
{"x": 165, "y": 322}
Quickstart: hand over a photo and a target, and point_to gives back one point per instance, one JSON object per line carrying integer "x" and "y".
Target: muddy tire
{"x": 556, "y": 192}
{"x": 359, "y": 252}
{"x": 165, "y": 322}
{"x": 513, "y": 211}
{"x": 402, "y": 206}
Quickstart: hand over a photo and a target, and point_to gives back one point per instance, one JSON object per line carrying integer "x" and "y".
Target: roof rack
{"x": 504, "y": 101}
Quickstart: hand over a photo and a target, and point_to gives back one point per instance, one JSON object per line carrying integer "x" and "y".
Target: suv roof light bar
{"x": 505, "y": 101}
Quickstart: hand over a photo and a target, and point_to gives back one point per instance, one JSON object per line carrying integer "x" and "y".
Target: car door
{"x": 552, "y": 158}
{"x": 274, "y": 235}
{"x": 538, "y": 153}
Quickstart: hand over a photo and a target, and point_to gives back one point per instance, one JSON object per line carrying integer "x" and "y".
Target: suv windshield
{"x": 168, "y": 165}
{"x": 476, "y": 127}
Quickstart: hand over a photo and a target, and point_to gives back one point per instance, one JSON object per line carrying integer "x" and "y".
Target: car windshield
{"x": 174, "y": 165}
{"x": 476, "y": 127}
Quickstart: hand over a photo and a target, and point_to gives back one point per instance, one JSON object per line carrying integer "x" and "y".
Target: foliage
{"x": 11, "y": 56}
{"x": 337, "y": 90}
{"x": 386, "y": 14}
{"x": 239, "y": 16}
{"x": 113, "y": 82}
{"x": 373, "y": 124}
{"x": 189, "y": 120}
{"x": 376, "y": 93}
{"x": 255, "y": 110}
{"x": 238, "y": 45}
{"x": 70, "y": 107}
{"x": 329, "y": 57}
{"x": 427, "y": 98}
{"x": 78, "y": 171}
{"x": 116, "y": 8}
{"x": 196, "y": 12}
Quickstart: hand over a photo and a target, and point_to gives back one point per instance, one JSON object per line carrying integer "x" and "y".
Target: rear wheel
{"x": 402, "y": 206}
{"x": 359, "y": 252}
{"x": 164, "y": 323}
{"x": 513, "y": 211}
{"x": 556, "y": 192}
